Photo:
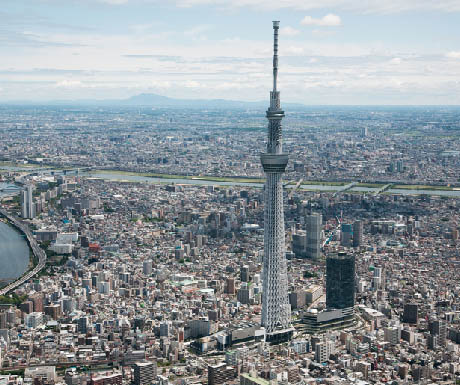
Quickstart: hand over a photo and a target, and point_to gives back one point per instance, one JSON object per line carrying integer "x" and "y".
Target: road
{"x": 37, "y": 250}
{"x": 345, "y": 188}
{"x": 382, "y": 189}
{"x": 295, "y": 188}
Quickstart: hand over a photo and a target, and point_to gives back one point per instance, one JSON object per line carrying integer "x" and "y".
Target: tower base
{"x": 279, "y": 336}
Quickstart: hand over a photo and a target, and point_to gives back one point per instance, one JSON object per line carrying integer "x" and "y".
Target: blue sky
{"x": 332, "y": 51}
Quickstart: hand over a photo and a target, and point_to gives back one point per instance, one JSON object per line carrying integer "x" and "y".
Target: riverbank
{"x": 187, "y": 177}
{"x": 24, "y": 165}
{"x": 239, "y": 179}
{"x": 423, "y": 187}
{"x": 308, "y": 185}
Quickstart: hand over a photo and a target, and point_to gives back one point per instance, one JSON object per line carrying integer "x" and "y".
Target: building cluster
{"x": 163, "y": 284}
{"x": 410, "y": 146}
{"x": 35, "y": 197}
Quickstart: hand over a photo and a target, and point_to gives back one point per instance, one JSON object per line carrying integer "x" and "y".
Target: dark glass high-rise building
{"x": 410, "y": 314}
{"x": 340, "y": 281}
{"x": 438, "y": 328}
{"x": 313, "y": 225}
{"x": 347, "y": 234}
{"x": 357, "y": 233}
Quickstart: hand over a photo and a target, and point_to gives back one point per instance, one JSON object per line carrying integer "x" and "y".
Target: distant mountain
{"x": 148, "y": 99}
{"x": 154, "y": 100}
{"x": 164, "y": 101}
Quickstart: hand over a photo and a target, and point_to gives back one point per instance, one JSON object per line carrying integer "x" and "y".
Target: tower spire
{"x": 276, "y": 26}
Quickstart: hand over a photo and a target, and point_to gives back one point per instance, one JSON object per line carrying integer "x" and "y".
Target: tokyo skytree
{"x": 276, "y": 310}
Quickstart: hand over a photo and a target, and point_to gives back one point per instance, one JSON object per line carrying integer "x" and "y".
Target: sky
{"x": 338, "y": 52}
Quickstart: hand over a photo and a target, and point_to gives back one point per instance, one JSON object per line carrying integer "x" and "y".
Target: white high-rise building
{"x": 33, "y": 320}
{"x": 147, "y": 267}
{"x": 323, "y": 350}
{"x": 27, "y": 203}
{"x": 392, "y": 335}
{"x": 313, "y": 226}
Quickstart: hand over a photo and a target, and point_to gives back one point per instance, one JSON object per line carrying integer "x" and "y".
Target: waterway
{"x": 14, "y": 254}
{"x": 312, "y": 187}
{"x": 115, "y": 176}
{"x": 148, "y": 179}
{"x": 197, "y": 181}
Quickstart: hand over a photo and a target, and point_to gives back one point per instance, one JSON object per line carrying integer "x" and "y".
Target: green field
{"x": 33, "y": 165}
{"x": 422, "y": 187}
{"x": 12, "y": 164}
{"x": 211, "y": 178}
{"x": 147, "y": 174}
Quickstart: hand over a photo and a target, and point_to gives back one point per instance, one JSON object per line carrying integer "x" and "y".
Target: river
{"x": 14, "y": 254}
{"x": 120, "y": 176}
{"x": 313, "y": 187}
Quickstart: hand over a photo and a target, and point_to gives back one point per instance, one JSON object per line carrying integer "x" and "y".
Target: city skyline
{"x": 153, "y": 255}
{"x": 339, "y": 53}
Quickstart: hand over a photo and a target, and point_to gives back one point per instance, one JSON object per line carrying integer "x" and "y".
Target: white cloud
{"x": 231, "y": 86}
{"x": 162, "y": 84}
{"x": 119, "y": 65}
{"x": 293, "y": 50}
{"x": 192, "y": 84}
{"x": 141, "y": 28}
{"x": 114, "y": 2}
{"x": 322, "y": 32}
{"x": 365, "y": 78}
{"x": 453, "y": 55}
{"x": 335, "y": 83}
{"x": 368, "y": 6}
{"x": 330, "y": 20}
{"x": 69, "y": 83}
{"x": 289, "y": 31}
{"x": 197, "y": 30}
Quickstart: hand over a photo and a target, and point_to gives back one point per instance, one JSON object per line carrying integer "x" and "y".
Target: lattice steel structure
{"x": 276, "y": 310}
